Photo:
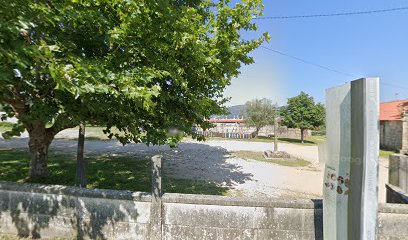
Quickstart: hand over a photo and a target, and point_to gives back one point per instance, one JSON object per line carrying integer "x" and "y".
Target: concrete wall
{"x": 405, "y": 134}
{"x": 213, "y": 217}
{"x": 398, "y": 171}
{"x": 40, "y": 211}
{"x": 396, "y": 195}
{"x": 265, "y": 131}
{"x": 391, "y": 135}
{"x": 31, "y": 210}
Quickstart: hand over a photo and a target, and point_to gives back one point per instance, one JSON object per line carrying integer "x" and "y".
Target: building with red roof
{"x": 394, "y": 125}
{"x": 238, "y": 121}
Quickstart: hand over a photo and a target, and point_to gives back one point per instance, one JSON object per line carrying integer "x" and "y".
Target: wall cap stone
{"x": 75, "y": 191}
{"x": 393, "y": 208}
{"x": 241, "y": 201}
{"x": 183, "y": 198}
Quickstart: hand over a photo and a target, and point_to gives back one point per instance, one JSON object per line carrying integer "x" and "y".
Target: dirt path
{"x": 211, "y": 161}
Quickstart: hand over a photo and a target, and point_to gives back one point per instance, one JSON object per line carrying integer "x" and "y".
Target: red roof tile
{"x": 392, "y": 111}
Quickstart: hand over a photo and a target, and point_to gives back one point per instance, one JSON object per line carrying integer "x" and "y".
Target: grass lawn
{"x": 258, "y": 156}
{"x": 91, "y": 132}
{"x": 104, "y": 172}
{"x": 386, "y": 154}
{"x": 5, "y": 126}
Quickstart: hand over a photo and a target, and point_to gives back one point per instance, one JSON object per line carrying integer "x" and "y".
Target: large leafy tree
{"x": 143, "y": 67}
{"x": 260, "y": 113}
{"x": 302, "y": 112}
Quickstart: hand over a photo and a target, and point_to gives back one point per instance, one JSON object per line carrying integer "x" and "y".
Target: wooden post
{"x": 157, "y": 192}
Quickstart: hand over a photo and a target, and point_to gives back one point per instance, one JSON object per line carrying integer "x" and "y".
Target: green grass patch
{"x": 5, "y": 126}
{"x": 103, "y": 171}
{"x": 386, "y": 154}
{"x": 316, "y": 139}
{"x": 258, "y": 156}
{"x": 91, "y": 133}
{"x": 297, "y": 141}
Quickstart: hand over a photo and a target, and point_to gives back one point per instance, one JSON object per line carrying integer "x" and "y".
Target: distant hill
{"x": 234, "y": 111}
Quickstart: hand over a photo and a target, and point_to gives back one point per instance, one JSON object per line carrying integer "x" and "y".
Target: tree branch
{"x": 62, "y": 121}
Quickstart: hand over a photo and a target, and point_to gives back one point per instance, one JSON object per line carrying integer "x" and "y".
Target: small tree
{"x": 302, "y": 112}
{"x": 259, "y": 113}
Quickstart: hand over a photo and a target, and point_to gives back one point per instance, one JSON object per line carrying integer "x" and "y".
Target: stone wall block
{"x": 398, "y": 171}
{"x": 209, "y": 216}
{"x": 115, "y": 210}
{"x": 186, "y": 232}
{"x": 289, "y": 219}
{"x": 390, "y": 224}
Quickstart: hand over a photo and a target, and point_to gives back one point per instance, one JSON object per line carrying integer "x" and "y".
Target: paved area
{"x": 212, "y": 161}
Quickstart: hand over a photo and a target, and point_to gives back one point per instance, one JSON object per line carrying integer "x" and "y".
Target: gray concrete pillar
{"x": 398, "y": 171}
{"x": 157, "y": 192}
{"x": 351, "y": 171}
{"x": 363, "y": 202}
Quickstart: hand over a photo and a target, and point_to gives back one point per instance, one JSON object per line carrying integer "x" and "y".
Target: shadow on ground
{"x": 190, "y": 168}
{"x": 293, "y": 140}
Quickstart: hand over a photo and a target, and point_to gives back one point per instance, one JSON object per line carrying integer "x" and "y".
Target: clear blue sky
{"x": 373, "y": 45}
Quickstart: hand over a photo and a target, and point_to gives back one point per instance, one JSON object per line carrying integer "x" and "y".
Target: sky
{"x": 373, "y": 45}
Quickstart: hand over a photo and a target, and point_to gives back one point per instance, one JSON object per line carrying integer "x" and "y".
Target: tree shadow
{"x": 294, "y": 140}
{"x": 94, "y": 214}
{"x": 190, "y": 168}
{"x": 318, "y": 218}
{"x": 203, "y": 162}
{"x": 30, "y": 208}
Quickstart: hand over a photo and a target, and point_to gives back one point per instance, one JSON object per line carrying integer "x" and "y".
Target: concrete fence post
{"x": 157, "y": 192}
{"x": 351, "y": 168}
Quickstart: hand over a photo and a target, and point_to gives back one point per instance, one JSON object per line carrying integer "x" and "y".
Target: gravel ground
{"x": 212, "y": 161}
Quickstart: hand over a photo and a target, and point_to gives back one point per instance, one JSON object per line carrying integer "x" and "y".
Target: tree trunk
{"x": 256, "y": 132}
{"x": 38, "y": 145}
{"x": 302, "y": 135}
{"x": 81, "y": 164}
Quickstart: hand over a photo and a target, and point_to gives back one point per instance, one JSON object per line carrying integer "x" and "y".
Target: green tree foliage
{"x": 143, "y": 67}
{"x": 302, "y": 112}
{"x": 260, "y": 113}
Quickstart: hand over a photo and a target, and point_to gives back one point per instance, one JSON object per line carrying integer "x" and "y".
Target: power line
{"x": 328, "y": 68}
{"x": 335, "y": 14}
{"x": 308, "y": 62}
